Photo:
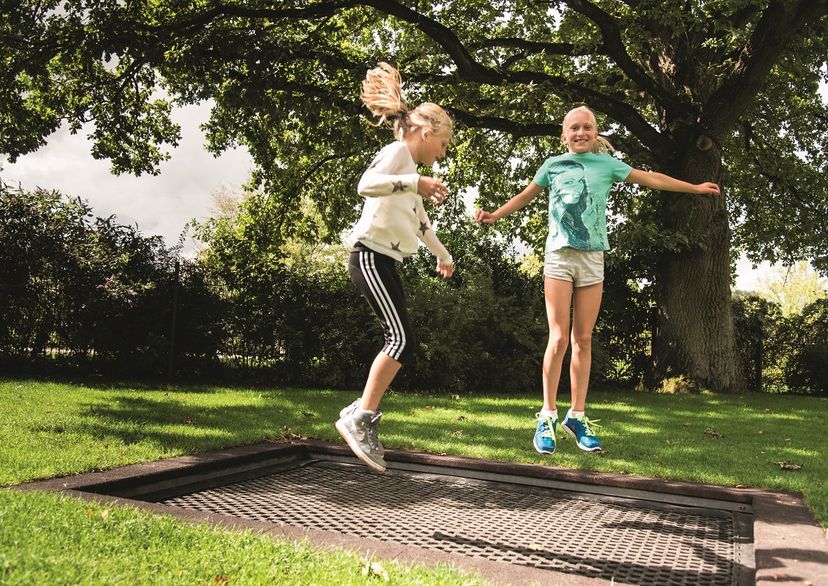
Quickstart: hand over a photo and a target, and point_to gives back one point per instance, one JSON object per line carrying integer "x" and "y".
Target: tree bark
{"x": 694, "y": 327}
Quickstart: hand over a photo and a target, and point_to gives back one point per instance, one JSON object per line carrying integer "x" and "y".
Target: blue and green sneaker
{"x": 544, "y": 441}
{"x": 582, "y": 430}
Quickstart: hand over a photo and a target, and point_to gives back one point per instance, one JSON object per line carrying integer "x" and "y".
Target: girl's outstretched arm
{"x": 663, "y": 182}
{"x": 514, "y": 204}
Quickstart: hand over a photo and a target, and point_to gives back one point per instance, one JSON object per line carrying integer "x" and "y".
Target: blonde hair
{"x": 601, "y": 144}
{"x": 382, "y": 95}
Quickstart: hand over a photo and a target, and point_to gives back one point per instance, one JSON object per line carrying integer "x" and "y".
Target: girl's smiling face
{"x": 579, "y": 131}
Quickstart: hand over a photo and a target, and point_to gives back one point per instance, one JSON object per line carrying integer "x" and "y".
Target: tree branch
{"x": 516, "y": 129}
{"x": 614, "y": 47}
{"x": 321, "y": 10}
{"x": 470, "y": 70}
{"x": 467, "y": 66}
{"x": 780, "y": 22}
{"x": 535, "y": 47}
{"x": 615, "y": 108}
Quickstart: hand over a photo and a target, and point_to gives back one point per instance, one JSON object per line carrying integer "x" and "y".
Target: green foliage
{"x": 800, "y": 350}
{"x": 781, "y": 354}
{"x": 83, "y": 288}
{"x": 755, "y": 321}
{"x": 295, "y": 311}
{"x": 80, "y": 289}
{"x": 485, "y": 326}
{"x": 284, "y": 81}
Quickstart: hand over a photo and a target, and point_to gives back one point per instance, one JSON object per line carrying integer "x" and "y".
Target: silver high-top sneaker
{"x": 355, "y": 428}
{"x": 373, "y": 438}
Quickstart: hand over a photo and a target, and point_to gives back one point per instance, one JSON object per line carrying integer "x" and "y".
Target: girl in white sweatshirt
{"x": 392, "y": 224}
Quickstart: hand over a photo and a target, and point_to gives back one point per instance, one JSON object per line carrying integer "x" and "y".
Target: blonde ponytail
{"x": 382, "y": 95}
{"x": 602, "y": 145}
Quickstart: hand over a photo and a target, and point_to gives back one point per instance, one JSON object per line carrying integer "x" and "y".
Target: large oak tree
{"x": 722, "y": 90}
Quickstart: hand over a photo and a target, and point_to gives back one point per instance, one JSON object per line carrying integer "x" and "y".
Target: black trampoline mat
{"x": 626, "y": 540}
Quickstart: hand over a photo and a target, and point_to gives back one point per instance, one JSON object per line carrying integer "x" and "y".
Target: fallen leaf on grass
{"x": 712, "y": 432}
{"x": 788, "y": 465}
{"x": 374, "y": 569}
{"x": 289, "y": 435}
{"x": 221, "y": 580}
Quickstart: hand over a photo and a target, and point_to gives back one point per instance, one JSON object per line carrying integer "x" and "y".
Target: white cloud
{"x": 158, "y": 205}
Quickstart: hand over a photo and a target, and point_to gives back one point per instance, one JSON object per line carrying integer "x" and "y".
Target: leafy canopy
{"x": 284, "y": 80}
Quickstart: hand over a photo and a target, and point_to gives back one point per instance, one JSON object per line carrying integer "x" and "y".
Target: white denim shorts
{"x": 581, "y": 267}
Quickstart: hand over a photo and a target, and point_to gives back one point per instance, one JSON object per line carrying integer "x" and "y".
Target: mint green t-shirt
{"x": 578, "y": 186}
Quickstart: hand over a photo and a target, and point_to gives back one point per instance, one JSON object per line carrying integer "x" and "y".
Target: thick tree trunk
{"x": 694, "y": 332}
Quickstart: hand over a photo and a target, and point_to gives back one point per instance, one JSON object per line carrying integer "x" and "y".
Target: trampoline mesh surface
{"x": 628, "y": 541}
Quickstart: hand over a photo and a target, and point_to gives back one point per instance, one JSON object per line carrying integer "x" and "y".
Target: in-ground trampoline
{"x": 513, "y": 523}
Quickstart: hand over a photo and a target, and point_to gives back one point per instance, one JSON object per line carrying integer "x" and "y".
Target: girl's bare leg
{"x": 383, "y": 371}
{"x": 558, "y": 297}
{"x": 587, "y": 302}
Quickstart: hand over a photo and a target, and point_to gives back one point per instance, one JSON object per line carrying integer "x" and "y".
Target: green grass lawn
{"x": 52, "y": 429}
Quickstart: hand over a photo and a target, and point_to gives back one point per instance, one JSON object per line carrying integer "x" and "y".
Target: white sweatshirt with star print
{"x": 393, "y": 216}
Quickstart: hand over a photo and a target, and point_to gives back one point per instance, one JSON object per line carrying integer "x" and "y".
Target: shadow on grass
{"x": 178, "y": 425}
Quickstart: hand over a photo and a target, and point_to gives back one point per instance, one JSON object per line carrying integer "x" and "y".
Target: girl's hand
{"x": 708, "y": 188}
{"x": 432, "y": 189}
{"x": 446, "y": 269}
{"x": 484, "y": 217}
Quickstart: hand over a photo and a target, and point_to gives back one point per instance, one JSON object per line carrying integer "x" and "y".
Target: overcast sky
{"x": 162, "y": 204}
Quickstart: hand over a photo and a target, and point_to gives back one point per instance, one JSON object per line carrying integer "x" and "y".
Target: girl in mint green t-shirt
{"x": 578, "y": 183}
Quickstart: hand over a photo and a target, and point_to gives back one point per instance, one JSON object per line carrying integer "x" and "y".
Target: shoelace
{"x": 588, "y": 425}
{"x": 373, "y": 428}
{"x": 548, "y": 432}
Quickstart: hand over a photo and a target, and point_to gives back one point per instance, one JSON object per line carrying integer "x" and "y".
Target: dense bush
{"x": 782, "y": 354}
{"x": 484, "y": 329}
{"x": 84, "y": 290}
{"x": 89, "y": 290}
{"x": 755, "y": 319}
{"x": 799, "y": 350}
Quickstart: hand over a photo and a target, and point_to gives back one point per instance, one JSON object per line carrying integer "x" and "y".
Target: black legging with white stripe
{"x": 376, "y": 276}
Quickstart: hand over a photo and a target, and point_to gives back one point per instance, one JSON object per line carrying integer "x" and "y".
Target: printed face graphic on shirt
{"x": 569, "y": 194}
{"x": 570, "y": 184}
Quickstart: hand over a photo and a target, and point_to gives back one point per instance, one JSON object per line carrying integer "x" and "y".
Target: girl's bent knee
{"x": 400, "y": 350}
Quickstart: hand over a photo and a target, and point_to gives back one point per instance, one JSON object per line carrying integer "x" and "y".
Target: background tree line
{"x": 92, "y": 295}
